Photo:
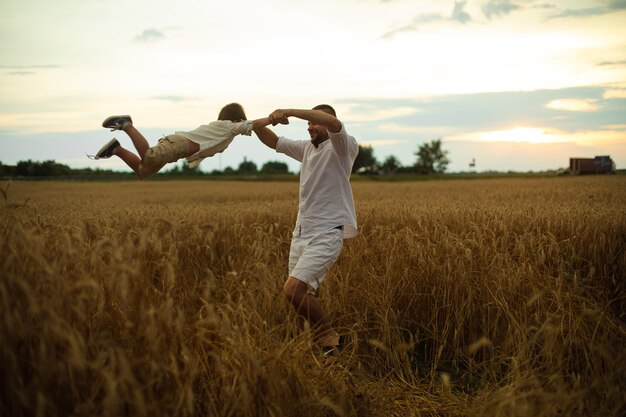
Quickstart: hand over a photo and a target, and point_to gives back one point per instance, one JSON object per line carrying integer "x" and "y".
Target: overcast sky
{"x": 516, "y": 85}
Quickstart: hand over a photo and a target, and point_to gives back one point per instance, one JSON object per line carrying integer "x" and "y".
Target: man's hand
{"x": 279, "y": 116}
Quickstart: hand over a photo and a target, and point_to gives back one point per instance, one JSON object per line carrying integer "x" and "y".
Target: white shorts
{"x": 310, "y": 257}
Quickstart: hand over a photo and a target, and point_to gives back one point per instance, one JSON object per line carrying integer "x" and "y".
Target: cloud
{"x": 370, "y": 114}
{"x": 614, "y": 93}
{"x": 498, "y": 8}
{"x": 599, "y": 137}
{"x": 573, "y": 104}
{"x": 24, "y": 70}
{"x": 393, "y": 32}
{"x": 21, "y": 73}
{"x": 612, "y": 7}
{"x": 150, "y": 36}
{"x": 543, "y": 6}
{"x": 498, "y": 111}
{"x": 590, "y": 11}
{"x": 171, "y": 97}
{"x": 517, "y": 134}
{"x": 613, "y": 63}
{"x": 459, "y": 14}
{"x": 29, "y": 66}
{"x": 414, "y": 24}
{"x": 493, "y": 8}
{"x": 617, "y": 5}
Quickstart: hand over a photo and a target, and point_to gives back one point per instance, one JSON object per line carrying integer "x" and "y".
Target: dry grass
{"x": 478, "y": 298}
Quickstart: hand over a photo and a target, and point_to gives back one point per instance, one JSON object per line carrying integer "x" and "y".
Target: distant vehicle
{"x": 371, "y": 170}
{"x": 598, "y": 165}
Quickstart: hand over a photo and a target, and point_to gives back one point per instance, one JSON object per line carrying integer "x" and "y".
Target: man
{"x": 326, "y": 212}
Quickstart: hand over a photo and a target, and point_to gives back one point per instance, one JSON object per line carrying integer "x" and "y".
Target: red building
{"x": 598, "y": 165}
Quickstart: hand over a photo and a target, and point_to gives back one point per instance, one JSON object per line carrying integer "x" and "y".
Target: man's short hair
{"x": 326, "y": 109}
{"x": 233, "y": 112}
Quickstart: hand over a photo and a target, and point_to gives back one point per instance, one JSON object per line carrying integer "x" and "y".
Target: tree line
{"x": 50, "y": 168}
{"x": 430, "y": 159}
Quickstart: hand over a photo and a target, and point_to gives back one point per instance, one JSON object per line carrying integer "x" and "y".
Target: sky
{"x": 513, "y": 85}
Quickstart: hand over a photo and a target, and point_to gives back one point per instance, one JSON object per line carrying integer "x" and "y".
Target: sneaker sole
{"x": 108, "y": 122}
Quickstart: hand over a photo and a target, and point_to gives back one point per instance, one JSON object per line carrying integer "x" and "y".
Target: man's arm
{"x": 268, "y": 137}
{"x": 317, "y": 117}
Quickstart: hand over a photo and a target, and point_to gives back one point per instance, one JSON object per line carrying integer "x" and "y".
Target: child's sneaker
{"x": 107, "y": 150}
{"x": 116, "y": 122}
{"x": 328, "y": 351}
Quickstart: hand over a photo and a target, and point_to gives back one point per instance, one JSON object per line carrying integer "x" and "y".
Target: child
{"x": 202, "y": 142}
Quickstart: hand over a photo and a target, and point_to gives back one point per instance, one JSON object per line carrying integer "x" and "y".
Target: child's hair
{"x": 233, "y": 112}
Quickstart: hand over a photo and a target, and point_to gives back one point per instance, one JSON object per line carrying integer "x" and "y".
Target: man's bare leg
{"x": 307, "y": 307}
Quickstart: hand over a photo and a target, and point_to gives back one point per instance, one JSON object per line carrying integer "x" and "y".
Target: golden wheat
{"x": 479, "y": 298}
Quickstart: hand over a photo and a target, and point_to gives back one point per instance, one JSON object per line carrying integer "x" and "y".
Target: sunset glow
{"x": 573, "y": 104}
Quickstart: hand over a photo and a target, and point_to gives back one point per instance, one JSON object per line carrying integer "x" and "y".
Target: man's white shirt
{"x": 326, "y": 199}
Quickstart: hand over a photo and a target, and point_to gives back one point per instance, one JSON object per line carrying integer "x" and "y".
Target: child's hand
{"x": 279, "y": 116}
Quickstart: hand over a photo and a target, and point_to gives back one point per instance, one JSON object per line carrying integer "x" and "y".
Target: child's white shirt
{"x": 214, "y": 138}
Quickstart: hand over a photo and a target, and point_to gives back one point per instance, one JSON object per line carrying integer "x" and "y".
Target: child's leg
{"x": 141, "y": 144}
{"x": 130, "y": 158}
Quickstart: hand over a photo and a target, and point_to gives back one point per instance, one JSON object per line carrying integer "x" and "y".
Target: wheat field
{"x": 500, "y": 297}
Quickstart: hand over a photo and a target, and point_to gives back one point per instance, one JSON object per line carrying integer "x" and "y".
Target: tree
{"x": 365, "y": 158}
{"x": 275, "y": 167}
{"x": 247, "y": 167}
{"x": 431, "y": 158}
{"x": 25, "y": 168}
{"x": 182, "y": 170}
{"x": 47, "y": 168}
{"x": 390, "y": 165}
